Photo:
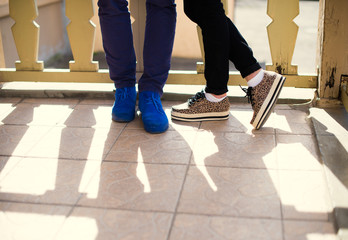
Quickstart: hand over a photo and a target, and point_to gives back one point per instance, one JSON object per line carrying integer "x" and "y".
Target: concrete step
{"x": 289, "y": 95}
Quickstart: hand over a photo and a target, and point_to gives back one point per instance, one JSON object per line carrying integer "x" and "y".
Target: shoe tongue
{"x": 198, "y": 95}
{"x": 194, "y": 99}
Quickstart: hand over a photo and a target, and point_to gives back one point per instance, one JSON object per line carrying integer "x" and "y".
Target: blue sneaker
{"x": 123, "y": 109}
{"x": 152, "y": 113}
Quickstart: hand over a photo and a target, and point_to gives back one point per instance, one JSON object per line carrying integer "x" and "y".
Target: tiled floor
{"x": 68, "y": 172}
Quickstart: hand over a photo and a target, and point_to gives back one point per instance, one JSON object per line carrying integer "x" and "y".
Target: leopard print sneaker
{"x": 198, "y": 108}
{"x": 264, "y": 96}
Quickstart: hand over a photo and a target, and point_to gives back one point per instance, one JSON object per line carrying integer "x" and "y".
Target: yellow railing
{"x": 282, "y": 33}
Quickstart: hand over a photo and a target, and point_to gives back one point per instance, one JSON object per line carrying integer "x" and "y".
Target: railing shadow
{"x": 331, "y": 132}
{"x": 135, "y": 180}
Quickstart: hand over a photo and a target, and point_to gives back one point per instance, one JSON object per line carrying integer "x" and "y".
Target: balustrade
{"x": 282, "y": 33}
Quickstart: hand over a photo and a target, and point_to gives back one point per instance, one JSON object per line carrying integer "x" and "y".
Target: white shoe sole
{"x": 269, "y": 103}
{"x": 213, "y": 116}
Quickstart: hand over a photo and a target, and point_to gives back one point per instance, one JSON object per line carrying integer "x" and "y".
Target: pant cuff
{"x": 249, "y": 70}
{"x": 216, "y": 91}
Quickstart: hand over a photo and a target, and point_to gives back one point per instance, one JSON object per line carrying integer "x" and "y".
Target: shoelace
{"x": 196, "y": 98}
{"x": 122, "y": 94}
{"x": 248, "y": 94}
{"x": 154, "y": 101}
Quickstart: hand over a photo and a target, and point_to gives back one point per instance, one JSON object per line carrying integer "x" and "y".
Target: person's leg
{"x": 120, "y": 56}
{"x": 264, "y": 87}
{"x": 220, "y": 36}
{"x": 158, "y": 45}
{"x": 211, "y": 18}
{"x": 240, "y": 53}
{"x": 117, "y": 38}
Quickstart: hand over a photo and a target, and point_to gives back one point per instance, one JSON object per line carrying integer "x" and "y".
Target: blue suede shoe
{"x": 152, "y": 113}
{"x": 123, "y": 109}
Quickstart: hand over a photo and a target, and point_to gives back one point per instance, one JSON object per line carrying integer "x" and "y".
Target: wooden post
{"x": 332, "y": 48}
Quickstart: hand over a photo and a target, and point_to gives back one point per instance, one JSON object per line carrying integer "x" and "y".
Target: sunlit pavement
{"x": 69, "y": 172}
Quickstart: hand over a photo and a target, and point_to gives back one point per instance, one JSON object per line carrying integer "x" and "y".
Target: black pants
{"x": 222, "y": 42}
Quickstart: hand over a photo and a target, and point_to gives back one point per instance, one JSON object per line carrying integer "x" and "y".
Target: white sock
{"x": 211, "y": 98}
{"x": 257, "y": 79}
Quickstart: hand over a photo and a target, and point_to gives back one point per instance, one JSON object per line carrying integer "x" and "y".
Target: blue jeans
{"x": 118, "y": 43}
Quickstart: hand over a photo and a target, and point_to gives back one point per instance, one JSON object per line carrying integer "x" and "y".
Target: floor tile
{"x": 99, "y": 102}
{"x": 304, "y": 195}
{"x": 6, "y": 109}
{"x": 38, "y": 114}
{"x": 136, "y": 123}
{"x": 76, "y": 143}
{"x": 331, "y": 121}
{"x": 292, "y": 122}
{"x": 7, "y": 164}
{"x": 322, "y": 127}
{"x": 241, "y": 182}
{"x": 335, "y": 156}
{"x": 298, "y": 152}
{"x": 232, "y": 192}
{"x": 47, "y": 180}
{"x": 140, "y": 186}
{"x": 239, "y": 121}
{"x": 31, "y": 221}
{"x": 169, "y": 147}
{"x": 18, "y": 140}
{"x": 230, "y": 125}
{"x": 91, "y": 116}
{"x": 173, "y": 124}
{"x": 234, "y": 150}
{"x": 223, "y": 228}
{"x": 101, "y": 224}
{"x": 307, "y": 230}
